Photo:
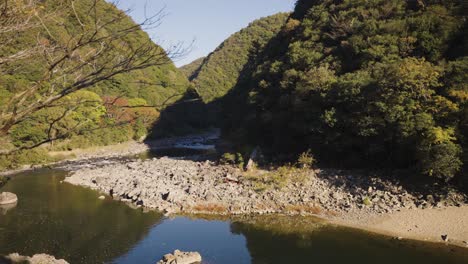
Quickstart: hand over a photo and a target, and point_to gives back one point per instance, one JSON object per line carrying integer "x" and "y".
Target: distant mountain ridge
{"x": 219, "y": 71}
{"x": 190, "y": 70}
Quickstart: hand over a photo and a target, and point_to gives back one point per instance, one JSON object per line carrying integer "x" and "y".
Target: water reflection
{"x": 72, "y": 223}
{"x": 211, "y": 238}
{"x": 285, "y": 241}
{"x": 68, "y": 222}
{"x": 7, "y": 207}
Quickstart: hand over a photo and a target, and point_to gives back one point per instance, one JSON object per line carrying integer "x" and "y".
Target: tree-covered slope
{"x": 78, "y": 73}
{"x": 220, "y": 71}
{"x": 363, "y": 83}
{"x": 192, "y": 68}
{"x": 154, "y": 84}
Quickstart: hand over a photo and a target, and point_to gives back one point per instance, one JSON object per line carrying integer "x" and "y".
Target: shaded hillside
{"x": 192, "y": 68}
{"x": 221, "y": 69}
{"x": 362, "y": 84}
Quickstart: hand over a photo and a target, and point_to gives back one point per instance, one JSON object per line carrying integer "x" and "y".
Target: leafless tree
{"x": 102, "y": 49}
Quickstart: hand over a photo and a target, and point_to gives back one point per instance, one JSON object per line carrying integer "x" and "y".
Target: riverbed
{"x": 70, "y": 222}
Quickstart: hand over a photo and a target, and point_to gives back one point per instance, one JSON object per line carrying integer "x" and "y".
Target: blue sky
{"x": 207, "y": 22}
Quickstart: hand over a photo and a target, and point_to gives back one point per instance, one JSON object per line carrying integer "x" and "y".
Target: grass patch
{"x": 276, "y": 179}
{"x": 27, "y": 157}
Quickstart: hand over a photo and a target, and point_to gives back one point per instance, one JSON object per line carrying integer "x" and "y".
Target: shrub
{"x": 439, "y": 155}
{"x": 306, "y": 160}
{"x": 276, "y": 179}
{"x": 228, "y": 158}
{"x": 231, "y": 159}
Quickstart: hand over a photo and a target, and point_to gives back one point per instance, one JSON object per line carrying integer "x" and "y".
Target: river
{"x": 70, "y": 222}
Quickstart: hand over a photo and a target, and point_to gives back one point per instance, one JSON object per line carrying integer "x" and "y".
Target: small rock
{"x": 180, "y": 257}
{"x": 230, "y": 178}
{"x": 102, "y": 197}
{"x": 445, "y": 238}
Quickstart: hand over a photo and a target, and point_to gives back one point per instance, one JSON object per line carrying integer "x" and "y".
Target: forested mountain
{"x": 361, "y": 84}
{"x": 379, "y": 84}
{"x": 190, "y": 69}
{"x": 50, "y": 50}
{"x": 220, "y": 71}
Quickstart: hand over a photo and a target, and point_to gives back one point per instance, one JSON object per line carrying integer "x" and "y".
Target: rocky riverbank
{"x": 97, "y": 156}
{"x": 184, "y": 186}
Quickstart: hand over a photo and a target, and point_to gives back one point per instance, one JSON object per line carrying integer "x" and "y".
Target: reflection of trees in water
{"x": 69, "y": 222}
{"x": 7, "y": 207}
{"x": 274, "y": 239}
{"x": 278, "y": 240}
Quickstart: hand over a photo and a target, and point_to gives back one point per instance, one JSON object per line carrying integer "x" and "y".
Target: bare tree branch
{"x": 102, "y": 50}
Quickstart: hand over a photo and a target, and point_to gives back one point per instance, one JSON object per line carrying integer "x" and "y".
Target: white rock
{"x": 8, "y": 198}
{"x": 180, "y": 257}
{"x": 36, "y": 259}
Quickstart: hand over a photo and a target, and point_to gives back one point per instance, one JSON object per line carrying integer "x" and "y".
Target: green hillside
{"x": 220, "y": 71}
{"x": 154, "y": 84}
{"x": 102, "y": 114}
{"x": 362, "y": 84}
{"x": 192, "y": 68}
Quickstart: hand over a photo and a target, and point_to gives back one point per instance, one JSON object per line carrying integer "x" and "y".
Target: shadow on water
{"x": 68, "y": 222}
{"x": 279, "y": 240}
{"x": 72, "y": 223}
{"x": 274, "y": 241}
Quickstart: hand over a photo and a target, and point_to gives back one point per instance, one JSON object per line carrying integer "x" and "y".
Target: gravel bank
{"x": 185, "y": 186}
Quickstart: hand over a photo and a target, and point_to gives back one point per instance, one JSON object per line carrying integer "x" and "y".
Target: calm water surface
{"x": 70, "y": 222}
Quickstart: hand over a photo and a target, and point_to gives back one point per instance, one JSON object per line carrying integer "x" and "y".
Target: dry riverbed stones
{"x": 174, "y": 185}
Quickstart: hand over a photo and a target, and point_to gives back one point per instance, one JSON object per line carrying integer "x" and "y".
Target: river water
{"x": 72, "y": 223}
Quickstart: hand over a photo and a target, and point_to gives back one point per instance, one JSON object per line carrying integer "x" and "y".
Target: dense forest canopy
{"x": 379, "y": 84}
{"x": 362, "y": 83}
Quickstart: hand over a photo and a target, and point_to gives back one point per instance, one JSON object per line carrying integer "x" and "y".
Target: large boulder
{"x": 180, "y": 257}
{"x": 8, "y": 198}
